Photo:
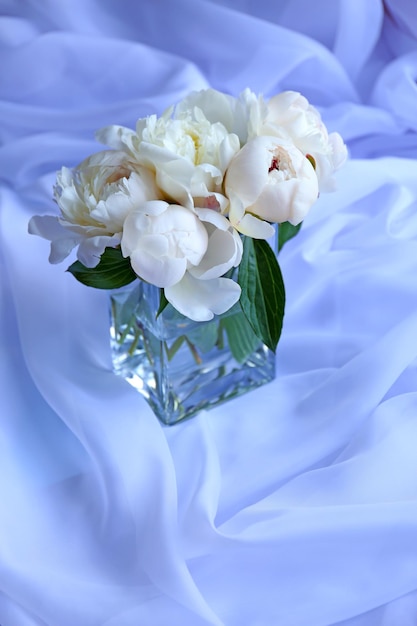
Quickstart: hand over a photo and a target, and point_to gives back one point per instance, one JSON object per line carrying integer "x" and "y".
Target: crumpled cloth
{"x": 295, "y": 505}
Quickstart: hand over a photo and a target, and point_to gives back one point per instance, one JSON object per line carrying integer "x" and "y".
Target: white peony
{"x": 290, "y": 115}
{"x": 204, "y": 292}
{"x": 224, "y": 246}
{"x": 162, "y": 241}
{"x": 94, "y": 200}
{"x": 188, "y": 154}
{"x": 243, "y": 116}
{"x": 269, "y": 180}
{"x": 187, "y": 254}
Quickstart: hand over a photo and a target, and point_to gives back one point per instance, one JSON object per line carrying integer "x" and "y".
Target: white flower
{"x": 189, "y": 135}
{"x": 290, "y": 115}
{"x": 269, "y": 180}
{"x": 94, "y": 200}
{"x": 162, "y": 241}
{"x": 204, "y": 292}
{"x": 187, "y": 254}
{"x": 187, "y": 153}
{"x": 243, "y": 116}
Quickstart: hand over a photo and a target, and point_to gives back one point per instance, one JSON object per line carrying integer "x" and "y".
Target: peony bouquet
{"x": 186, "y": 198}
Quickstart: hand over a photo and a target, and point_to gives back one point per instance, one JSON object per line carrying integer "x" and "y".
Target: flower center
{"x": 119, "y": 172}
{"x": 281, "y": 162}
{"x": 274, "y": 164}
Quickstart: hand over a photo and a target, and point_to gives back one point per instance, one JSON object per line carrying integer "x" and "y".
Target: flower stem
{"x": 193, "y": 350}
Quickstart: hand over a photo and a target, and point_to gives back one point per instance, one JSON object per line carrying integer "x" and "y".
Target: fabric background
{"x": 295, "y": 505}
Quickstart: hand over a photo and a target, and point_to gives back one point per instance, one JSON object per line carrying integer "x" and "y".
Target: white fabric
{"x": 295, "y": 505}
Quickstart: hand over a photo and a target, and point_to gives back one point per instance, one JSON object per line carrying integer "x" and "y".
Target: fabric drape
{"x": 295, "y": 505}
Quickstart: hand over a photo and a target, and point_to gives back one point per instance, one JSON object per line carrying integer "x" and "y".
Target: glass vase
{"x": 178, "y": 365}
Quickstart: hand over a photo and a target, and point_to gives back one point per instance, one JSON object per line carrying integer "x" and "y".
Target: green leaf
{"x": 286, "y": 231}
{"x": 263, "y": 293}
{"x": 112, "y": 272}
{"x": 204, "y": 336}
{"x": 240, "y": 336}
{"x": 163, "y": 303}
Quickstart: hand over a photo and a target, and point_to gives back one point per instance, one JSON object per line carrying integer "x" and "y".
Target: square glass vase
{"x": 180, "y": 366}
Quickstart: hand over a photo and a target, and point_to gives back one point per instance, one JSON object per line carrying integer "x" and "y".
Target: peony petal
{"x": 118, "y": 137}
{"x": 151, "y": 262}
{"x": 124, "y": 196}
{"x": 227, "y": 150}
{"x": 136, "y": 223}
{"x": 91, "y": 249}
{"x": 161, "y": 246}
{"x": 174, "y": 179}
{"x": 221, "y": 255}
{"x": 113, "y": 211}
{"x": 47, "y": 226}
{"x": 284, "y": 107}
{"x": 153, "y": 207}
{"x": 139, "y": 223}
{"x": 339, "y": 151}
{"x": 254, "y": 227}
{"x": 215, "y": 202}
{"x": 216, "y": 106}
{"x": 154, "y": 156}
{"x": 200, "y": 300}
{"x": 248, "y": 170}
{"x": 236, "y": 209}
{"x": 101, "y": 159}
{"x": 239, "y": 246}
{"x": 246, "y": 223}
{"x": 62, "y": 240}
{"x": 327, "y": 164}
{"x": 212, "y": 217}
{"x": 68, "y": 199}
{"x": 288, "y": 201}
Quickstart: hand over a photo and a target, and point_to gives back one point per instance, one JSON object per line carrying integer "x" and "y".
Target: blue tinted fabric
{"x": 295, "y": 505}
